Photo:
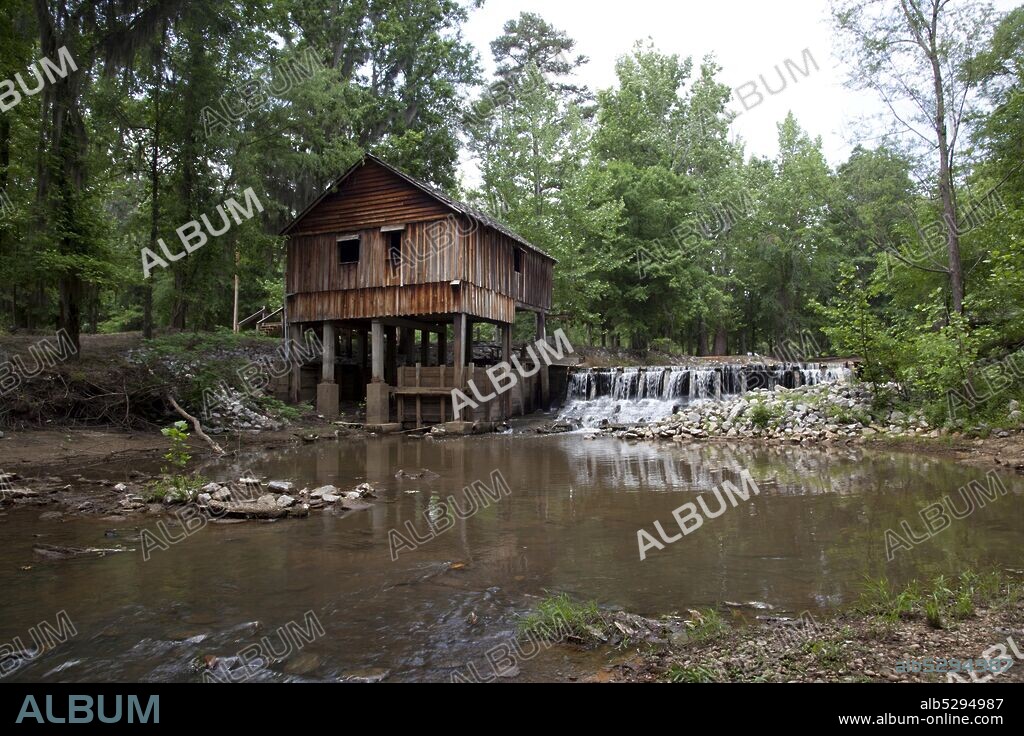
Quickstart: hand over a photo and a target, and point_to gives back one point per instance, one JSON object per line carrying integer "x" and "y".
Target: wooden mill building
{"x": 392, "y": 274}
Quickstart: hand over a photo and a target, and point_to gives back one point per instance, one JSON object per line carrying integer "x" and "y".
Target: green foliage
{"x": 845, "y": 415}
{"x": 706, "y": 624}
{"x": 940, "y": 601}
{"x": 558, "y": 616}
{"x": 668, "y": 234}
{"x": 276, "y": 407}
{"x": 760, "y": 415}
{"x": 175, "y": 489}
{"x": 854, "y": 328}
{"x": 933, "y": 612}
{"x": 826, "y": 653}
{"x": 178, "y": 455}
{"x": 200, "y": 364}
{"x": 697, "y": 674}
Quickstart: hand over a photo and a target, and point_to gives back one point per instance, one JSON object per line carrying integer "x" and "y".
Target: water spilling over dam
{"x": 636, "y": 395}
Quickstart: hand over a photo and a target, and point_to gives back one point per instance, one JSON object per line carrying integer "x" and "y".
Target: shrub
{"x": 760, "y": 415}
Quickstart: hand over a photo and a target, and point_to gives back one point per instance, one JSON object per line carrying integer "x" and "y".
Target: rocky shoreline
{"x": 826, "y": 414}
{"x": 845, "y": 648}
{"x": 247, "y": 498}
{"x": 942, "y": 630}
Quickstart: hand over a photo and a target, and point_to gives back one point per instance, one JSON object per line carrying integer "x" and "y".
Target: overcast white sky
{"x": 748, "y": 38}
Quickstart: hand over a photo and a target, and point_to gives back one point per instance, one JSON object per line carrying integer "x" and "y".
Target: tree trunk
{"x": 930, "y": 46}
{"x": 154, "y": 179}
{"x": 949, "y": 208}
{"x": 721, "y": 341}
{"x": 62, "y": 174}
{"x": 5, "y": 162}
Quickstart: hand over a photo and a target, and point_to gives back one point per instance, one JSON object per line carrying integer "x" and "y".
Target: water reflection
{"x": 570, "y": 524}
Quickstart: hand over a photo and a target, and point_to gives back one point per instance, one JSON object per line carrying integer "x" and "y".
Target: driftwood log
{"x": 196, "y": 426}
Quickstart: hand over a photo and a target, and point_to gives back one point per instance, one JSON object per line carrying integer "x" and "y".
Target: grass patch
{"x": 706, "y": 624}
{"x": 175, "y": 489}
{"x": 690, "y": 674}
{"x": 826, "y": 653}
{"x": 845, "y": 415}
{"x": 558, "y": 617}
{"x": 933, "y": 612}
{"x": 940, "y": 601}
{"x": 277, "y": 408}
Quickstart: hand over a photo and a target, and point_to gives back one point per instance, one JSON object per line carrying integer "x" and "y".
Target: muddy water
{"x": 570, "y": 524}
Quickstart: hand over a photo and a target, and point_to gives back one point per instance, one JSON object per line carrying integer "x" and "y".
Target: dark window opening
{"x": 517, "y": 260}
{"x": 348, "y": 251}
{"x": 395, "y": 248}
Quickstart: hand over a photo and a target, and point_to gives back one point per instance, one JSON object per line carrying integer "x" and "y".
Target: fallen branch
{"x": 196, "y": 426}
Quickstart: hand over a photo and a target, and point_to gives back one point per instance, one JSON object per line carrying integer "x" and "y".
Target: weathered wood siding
{"x": 490, "y": 263}
{"x": 430, "y": 254}
{"x": 400, "y": 301}
{"x": 439, "y": 246}
{"x": 371, "y": 197}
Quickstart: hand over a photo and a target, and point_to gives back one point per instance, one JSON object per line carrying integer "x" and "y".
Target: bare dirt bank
{"x": 47, "y": 452}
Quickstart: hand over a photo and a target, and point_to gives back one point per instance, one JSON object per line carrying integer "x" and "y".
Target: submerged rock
{"x": 302, "y": 664}
{"x": 247, "y": 510}
{"x": 363, "y": 490}
{"x": 372, "y": 674}
{"x": 58, "y": 552}
{"x": 320, "y": 492}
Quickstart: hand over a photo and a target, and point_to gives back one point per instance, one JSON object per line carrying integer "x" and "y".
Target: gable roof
{"x": 461, "y": 208}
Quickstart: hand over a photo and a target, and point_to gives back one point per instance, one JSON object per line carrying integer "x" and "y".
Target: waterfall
{"x": 677, "y": 385}
{"x": 579, "y": 387}
{"x": 643, "y": 395}
{"x": 651, "y": 386}
{"x": 702, "y": 383}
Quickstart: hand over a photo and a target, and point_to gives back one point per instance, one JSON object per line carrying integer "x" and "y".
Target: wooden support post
{"x": 469, "y": 340}
{"x": 545, "y": 377}
{"x": 377, "y": 352}
{"x": 362, "y": 356}
{"x": 442, "y": 347}
{"x": 295, "y": 383}
{"x": 408, "y": 337}
{"x": 468, "y": 375}
{"x": 391, "y": 356}
{"x": 444, "y": 399}
{"x": 378, "y": 395}
{"x": 360, "y": 348}
{"x": 419, "y": 399}
{"x": 459, "y": 357}
{"x": 506, "y": 356}
{"x": 328, "y": 357}
{"x": 424, "y": 347}
{"x": 327, "y": 391}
